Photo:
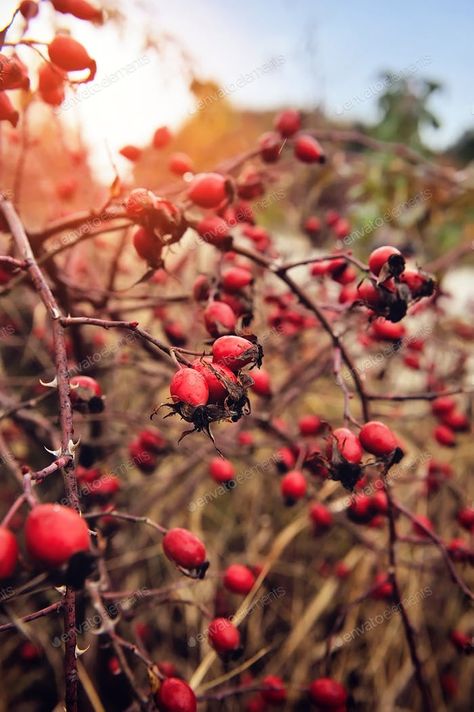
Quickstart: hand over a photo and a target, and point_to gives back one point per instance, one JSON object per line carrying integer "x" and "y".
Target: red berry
{"x": 8, "y": 553}
{"x": 245, "y": 438}
{"x": 369, "y": 294}
{"x": 209, "y": 190}
{"x": 54, "y": 533}
{"x": 309, "y": 425}
{"x": 312, "y": 226}
{"x": 445, "y": 436}
{"x": 84, "y": 388}
{"x": 457, "y": 421}
{"x": 288, "y": 122}
{"x": 270, "y": 145}
{"x": 148, "y": 246}
{"x": 308, "y": 150}
{"x": 234, "y": 352}
{"x": 466, "y": 518}
{"x": 261, "y": 383}
{"x": 214, "y": 230}
{"x": 161, "y": 137}
{"x": 293, "y": 486}
{"x": 7, "y": 110}
{"x": 239, "y": 579}
{"x": 236, "y": 278}
{"x": 221, "y": 470}
{"x": 377, "y": 439}
{"x": 180, "y": 163}
{"x": 184, "y": 548}
{"x": 360, "y": 509}
{"x": 421, "y": 524}
{"x": 382, "y": 590}
{"x": 189, "y": 386}
{"x": 219, "y": 319}
{"x": 132, "y": 153}
{"x": 81, "y": 9}
{"x": 13, "y": 73}
{"x": 348, "y": 445}
{"x": 68, "y": 54}
{"x": 379, "y": 503}
{"x": 443, "y": 405}
{"x": 275, "y": 691}
{"x": 461, "y": 641}
{"x": 201, "y": 288}
{"x": 320, "y": 516}
{"x": 379, "y": 257}
{"x": 217, "y": 378}
{"x": 327, "y": 693}
{"x": 175, "y": 695}
{"x": 342, "y": 228}
{"x": 29, "y": 9}
{"x": 388, "y": 331}
{"x": 223, "y": 635}
{"x": 418, "y": 284}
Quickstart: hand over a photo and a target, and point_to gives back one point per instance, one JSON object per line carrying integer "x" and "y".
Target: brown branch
{"x": 410, "y": 633}
{"x": 33, "y": 616}
{"x": 65, "y": 416}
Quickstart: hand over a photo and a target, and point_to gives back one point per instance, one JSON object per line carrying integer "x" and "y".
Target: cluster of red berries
{"x": 451, "y": 420}
{"x": 213, "y": 390}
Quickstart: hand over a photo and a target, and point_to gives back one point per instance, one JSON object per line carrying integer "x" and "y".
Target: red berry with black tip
{"x": 321, "y": 517}
{"x": 445, "y": 436}
{"x": 184, "y": 548}
{"x": 379, "y": 258}
{"x": 308, "y": 150}
{"x": 466, "y": 518}
{"x": 274, "y": 690}
{"x": 234, "y": 352}
{"x": 377, "y": 438}
{"x": 328, "y": 693}
{"x": 293, "y": 486}
{"x": 54, "y": 533}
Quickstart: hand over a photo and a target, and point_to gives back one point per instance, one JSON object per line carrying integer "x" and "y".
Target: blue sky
{"x": 333, "y": 51}
{"x": 331, "y": 55}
